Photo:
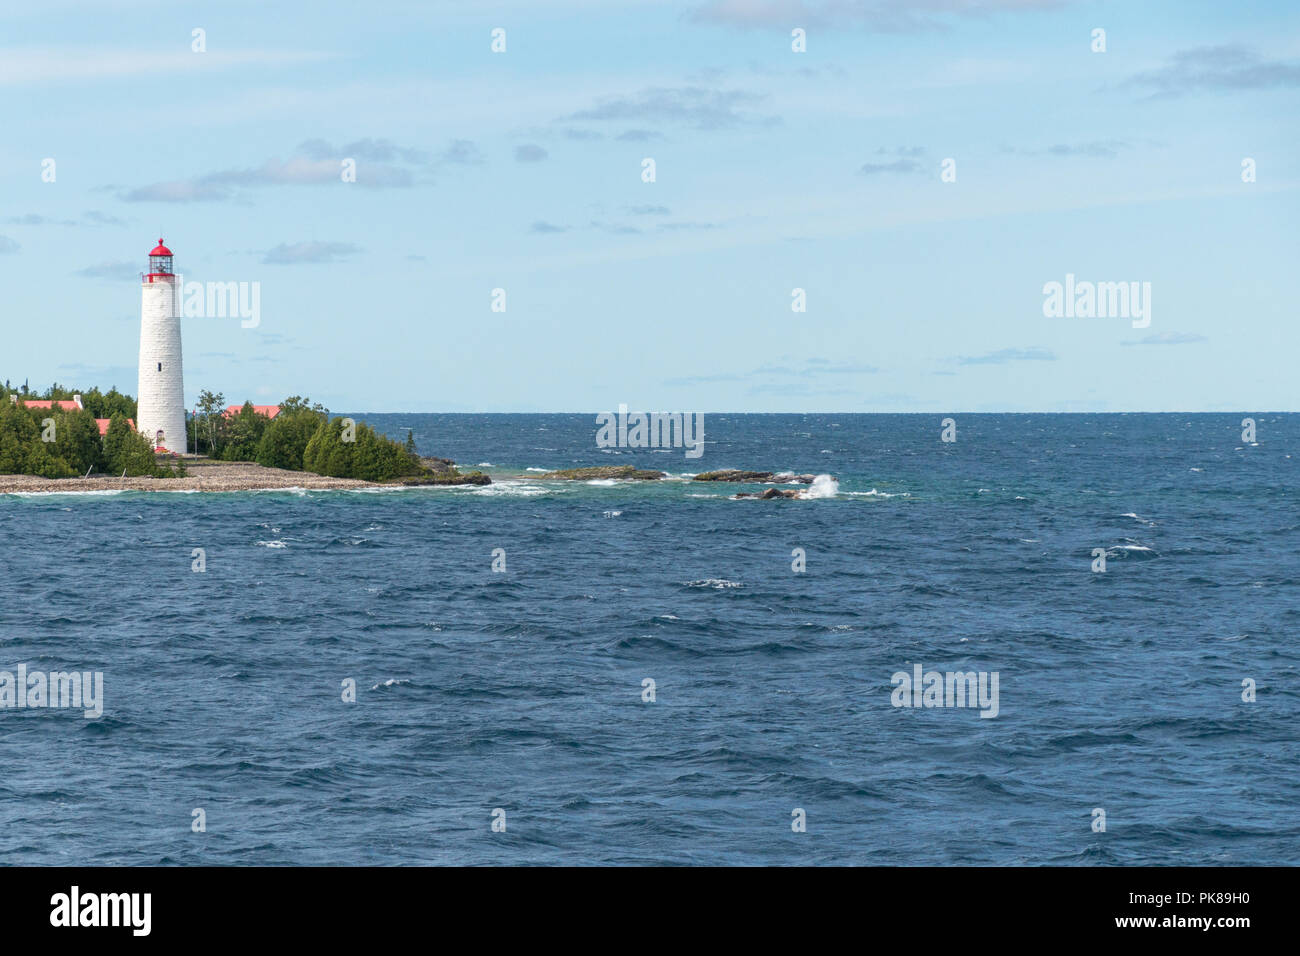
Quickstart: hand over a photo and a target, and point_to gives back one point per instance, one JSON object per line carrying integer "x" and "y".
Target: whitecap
{"x": 514, "y": 489}
{"x": 1137, "y": 517}
{"x": 823, "y": 486}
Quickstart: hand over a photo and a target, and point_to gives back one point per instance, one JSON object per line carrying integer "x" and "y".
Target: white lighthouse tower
{"x": 161, "y": 412}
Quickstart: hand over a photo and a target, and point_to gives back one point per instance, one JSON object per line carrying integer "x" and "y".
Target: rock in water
{"x": 604, "y": 471}
{"x": 736, "y": 475}
{"x": 769, "y": 494}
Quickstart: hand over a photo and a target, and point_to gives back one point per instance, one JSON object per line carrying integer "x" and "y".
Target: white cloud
{"x": 298, "y": 253}
{"x": 25, "y": 67}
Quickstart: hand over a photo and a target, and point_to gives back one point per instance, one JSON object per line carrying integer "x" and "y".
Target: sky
{"x": 775, "y": 170}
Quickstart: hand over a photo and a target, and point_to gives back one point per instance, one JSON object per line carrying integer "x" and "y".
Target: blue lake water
{"x": 522, "y": 690}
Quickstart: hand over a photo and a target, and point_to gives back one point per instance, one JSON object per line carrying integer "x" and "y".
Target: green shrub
{"x": 22, "y": 448}
{"x": 286, "y": 437}
{"x": 369, "y": 456}
{"x": 243, "y": 435}
{"x": 127, "y": 451}
{"x": 77, "y": 441}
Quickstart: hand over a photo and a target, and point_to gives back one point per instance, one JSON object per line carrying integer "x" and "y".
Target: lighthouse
{"x": 161, "y": 413}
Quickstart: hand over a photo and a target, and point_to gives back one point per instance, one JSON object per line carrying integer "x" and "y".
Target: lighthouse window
{"x": 160, "y": 366}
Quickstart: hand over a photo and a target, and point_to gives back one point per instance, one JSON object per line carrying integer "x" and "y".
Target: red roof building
{"x": 103, "y": 424}
{"x": 67, "y": 405}
{"x": 270, "y": 411}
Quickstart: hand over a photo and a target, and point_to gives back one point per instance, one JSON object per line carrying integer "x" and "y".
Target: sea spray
{"x": 823, "y": 486}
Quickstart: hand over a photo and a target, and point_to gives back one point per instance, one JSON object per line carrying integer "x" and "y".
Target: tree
{"x": 62, "y": 443}
{"x": 107, "y": 404}
{"x": 24, "y": 449}
{"x": 99, "y": 404}
{"x": 370, "y": 456}
{"x": 77, "y": 440}
{"x": 44, "y": 461}
{"x": 286, "y": 437}
{"x": 18, "y": 432}
{"x": 244, "y": 434}
{"x": 296, "y": 403}
{"x": 127, "y": 451}
{"x": 208, "y": 420}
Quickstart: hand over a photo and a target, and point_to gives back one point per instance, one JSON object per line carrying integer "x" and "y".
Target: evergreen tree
{"x": 127, "y": 451}
{"x": 77, "y": 440}
{"x": 286, "y": 437}
{"x": 370, "y": 456}
{"x": 244, "y": 434}
{"x": 17, "y": 433}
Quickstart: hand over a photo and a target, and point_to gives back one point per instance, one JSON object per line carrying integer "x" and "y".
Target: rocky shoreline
{"x": 725, "y": 475}
{"x": 632, "y": 473}
{"x": 206, "y": 474}
{"x": 600, "y": 472}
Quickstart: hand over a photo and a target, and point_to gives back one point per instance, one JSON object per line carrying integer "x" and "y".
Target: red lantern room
{"x": 160, "y": 261}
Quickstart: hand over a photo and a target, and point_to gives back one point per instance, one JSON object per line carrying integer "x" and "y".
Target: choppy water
{"x": 522, "y": 690}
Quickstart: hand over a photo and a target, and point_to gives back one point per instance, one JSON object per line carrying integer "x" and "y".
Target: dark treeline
{"x": 99, "y": 404}
{"x": 61, "y": 443}
{"x": 302, "y": 437}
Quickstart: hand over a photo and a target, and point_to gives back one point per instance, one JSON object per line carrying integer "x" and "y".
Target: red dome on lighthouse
{"x": 160, "y": 262}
